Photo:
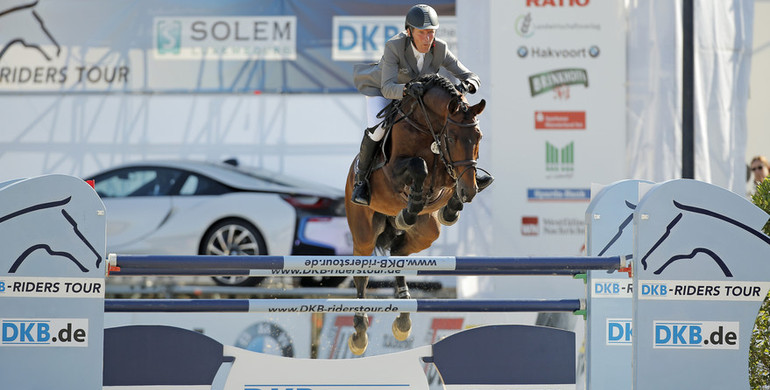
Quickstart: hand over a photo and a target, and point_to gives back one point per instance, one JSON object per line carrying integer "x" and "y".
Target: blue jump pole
{"x": 268, "y": 272}
{"x": 360, "y": 265}
{"x": 341, "y": 305}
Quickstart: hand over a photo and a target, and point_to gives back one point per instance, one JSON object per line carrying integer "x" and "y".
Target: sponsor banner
{"x": 703, "y": 290}
{"x": 269, "y": 38}
{"x": 619, "y": 331}
{"x": 370, "y": 263}
{"x": 697, "y": 334}
{"x": 558, "y": 194}
{"x": 44, "y": 332}
{"x": 559, "y": 161}
{"x": 332, "y": 306}
{"x": 554, "y": 226}
{"x": 44, "y": 287}
{"x": 530, "y": 226}
{"x": 555, "y": 53}
{"x": 560, "y": 120}
{"x": 612, "y": 288}
{"x": 227, "y": 46}
{"x": 537, "y": 20}
{"x": 96, "y": 70}
{"x": 563, "y": 226}
{"x": 566, "y": 72}
{"x": 543, "y": 82}
{"x": 332, "y": 272}
{"x": 362, "y": 38}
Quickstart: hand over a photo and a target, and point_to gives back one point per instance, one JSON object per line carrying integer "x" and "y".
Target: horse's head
{"x": 461, "y": 143}
{"x": 455, "y": 129}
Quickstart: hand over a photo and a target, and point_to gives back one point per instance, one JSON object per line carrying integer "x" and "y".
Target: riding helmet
{"x": 422, "y": 17}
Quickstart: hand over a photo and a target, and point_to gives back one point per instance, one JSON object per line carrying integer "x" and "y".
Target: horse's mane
{"x": 434, "y": 79}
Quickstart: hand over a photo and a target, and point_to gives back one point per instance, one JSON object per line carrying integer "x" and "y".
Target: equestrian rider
{"x": 413, "y": 52}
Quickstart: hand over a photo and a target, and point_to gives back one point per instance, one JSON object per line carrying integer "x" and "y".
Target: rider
{"x": 413, "y": 52}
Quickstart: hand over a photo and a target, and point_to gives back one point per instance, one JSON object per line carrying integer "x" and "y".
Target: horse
{"x": 429, "y": 171}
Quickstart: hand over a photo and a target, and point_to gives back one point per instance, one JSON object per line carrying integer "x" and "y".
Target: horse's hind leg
{"x": 402, "y": 325}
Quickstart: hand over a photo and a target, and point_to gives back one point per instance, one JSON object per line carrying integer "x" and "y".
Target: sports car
{"x": 194, "y": 207}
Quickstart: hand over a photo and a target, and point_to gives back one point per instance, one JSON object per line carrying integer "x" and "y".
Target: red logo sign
{"x": 560, "y": 120}
{"x": 530, "y": 226}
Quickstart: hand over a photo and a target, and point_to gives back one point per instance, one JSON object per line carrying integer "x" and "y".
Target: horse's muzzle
{"x": 466, "y": 181}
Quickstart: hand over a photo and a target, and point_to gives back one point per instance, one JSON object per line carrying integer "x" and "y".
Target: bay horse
{"x": 428, "y": 173}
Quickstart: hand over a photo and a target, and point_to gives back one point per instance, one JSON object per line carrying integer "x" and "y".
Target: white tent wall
{"x": 758, "y": 142}
{"x": 723, "y": 51}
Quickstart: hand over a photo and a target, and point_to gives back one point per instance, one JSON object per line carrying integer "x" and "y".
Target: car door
{"x": 137, "y": 201}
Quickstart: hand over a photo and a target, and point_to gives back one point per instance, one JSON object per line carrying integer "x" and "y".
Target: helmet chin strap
{"x": 409, "y": 35}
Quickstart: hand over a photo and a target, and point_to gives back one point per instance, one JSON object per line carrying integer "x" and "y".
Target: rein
{"x": 439, "y": 145}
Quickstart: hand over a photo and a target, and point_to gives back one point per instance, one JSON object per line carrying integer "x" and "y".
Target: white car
{"x": 202, "y": 208}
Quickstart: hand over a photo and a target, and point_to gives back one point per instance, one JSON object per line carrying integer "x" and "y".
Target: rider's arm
{"x": 453, "y": 65}
{"x": 390, "y": 62}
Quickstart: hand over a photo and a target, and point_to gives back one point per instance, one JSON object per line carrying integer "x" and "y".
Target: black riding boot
{"x": 483, "y": 180}
{"x": 361, "y": 194}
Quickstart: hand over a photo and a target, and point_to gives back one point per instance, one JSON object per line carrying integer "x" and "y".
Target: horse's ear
{"x": 478, "y": 108}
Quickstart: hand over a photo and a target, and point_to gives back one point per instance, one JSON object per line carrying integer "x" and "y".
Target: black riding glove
{"x": 465, "y": 87}
{"x": 414, "y": 89}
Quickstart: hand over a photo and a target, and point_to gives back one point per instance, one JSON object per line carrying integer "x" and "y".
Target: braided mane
{"x": 435, "y": 79}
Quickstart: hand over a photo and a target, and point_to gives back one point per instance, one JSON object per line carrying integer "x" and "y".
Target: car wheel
{"x": 233, "y": 237}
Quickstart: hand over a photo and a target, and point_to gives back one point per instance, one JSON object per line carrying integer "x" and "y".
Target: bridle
{"x": 440, "y": 145}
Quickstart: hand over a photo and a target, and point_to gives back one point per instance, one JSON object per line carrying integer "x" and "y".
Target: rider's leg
{"x": 361, "y": 192}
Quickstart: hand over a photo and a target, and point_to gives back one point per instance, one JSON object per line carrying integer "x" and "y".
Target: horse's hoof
{"x": 358, "y": 344}
{"x": 400, "y": 223}
{"x": 402, "y": 327}
{"x": 446, "y": 222}
{"x": 361, "y": 322}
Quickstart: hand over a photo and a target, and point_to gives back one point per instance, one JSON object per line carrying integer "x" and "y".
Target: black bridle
{"x": 440, "y": 140}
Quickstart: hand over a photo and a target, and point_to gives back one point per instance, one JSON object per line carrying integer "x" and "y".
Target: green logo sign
{"x": 544, "y": 82}
{"x": 560, "y": 160}
{"x": 169, "y": 37}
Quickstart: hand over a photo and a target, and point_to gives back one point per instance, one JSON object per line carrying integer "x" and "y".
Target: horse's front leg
{"x": 402, "y": 325}
{"x": 358, "y": 341}
{"x": 450, "y": 213}
{"x": 412, "y": 171}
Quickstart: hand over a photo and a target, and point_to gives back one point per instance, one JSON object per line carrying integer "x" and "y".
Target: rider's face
{"x": 423, "y": 39}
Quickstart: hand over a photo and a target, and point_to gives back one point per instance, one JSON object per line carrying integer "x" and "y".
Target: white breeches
{"x": 375, "y": 104}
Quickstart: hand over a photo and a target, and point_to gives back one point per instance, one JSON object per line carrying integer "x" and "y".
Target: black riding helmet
{"x": 421, "y": 17}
